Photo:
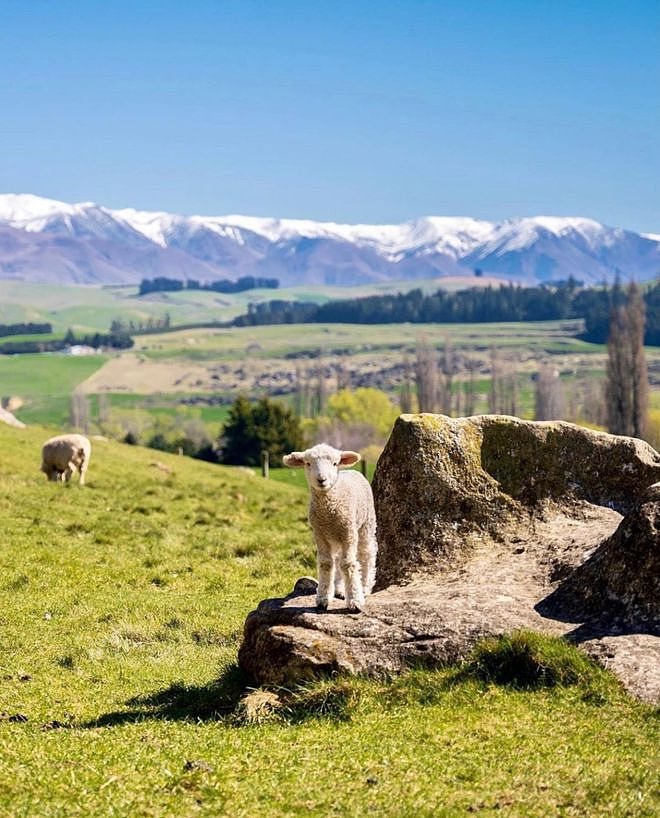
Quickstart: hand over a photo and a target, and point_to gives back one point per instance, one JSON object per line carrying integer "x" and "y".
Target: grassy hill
{"x": 121, "y": 609}
{"x": 92, "y": 308}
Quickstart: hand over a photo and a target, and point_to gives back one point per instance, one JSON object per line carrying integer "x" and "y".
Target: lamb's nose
{"x": 320, "y": 481}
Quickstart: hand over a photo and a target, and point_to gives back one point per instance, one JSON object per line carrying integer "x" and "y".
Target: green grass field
{"x": 287, "y": 339}
{"x": 121, "y": 609}
{"x": 93, "y": 308}
{"x": 45, "y": 382}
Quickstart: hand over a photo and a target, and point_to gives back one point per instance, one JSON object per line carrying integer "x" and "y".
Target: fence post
{"x": 265, "y": 464}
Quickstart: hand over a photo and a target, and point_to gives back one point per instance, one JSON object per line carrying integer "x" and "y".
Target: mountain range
{"x": 44, "y": 240}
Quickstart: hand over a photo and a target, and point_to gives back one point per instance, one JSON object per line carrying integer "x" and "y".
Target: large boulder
{"x": 621, "y": 579}
{"x": 487, "y": 525}
{"x": 443, "y": 484}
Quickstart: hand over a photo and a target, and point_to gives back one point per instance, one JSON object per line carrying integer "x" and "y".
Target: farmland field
{"x": 45, "y": 382}
{"x": 92, "y": 309}
{"x": 209, "y": 367}
{"x": 121, "y": 609}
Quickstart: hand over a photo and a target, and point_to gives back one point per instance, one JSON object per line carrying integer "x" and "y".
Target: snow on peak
{"x": 22, "y": 209}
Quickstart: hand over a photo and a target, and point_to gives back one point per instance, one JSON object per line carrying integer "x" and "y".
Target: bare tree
{"x": 448, "y": 368}
{"x": 549, "y": 399}
{"x": 103, "y": 409}
{"x": 495, "y": 391}
{"x": 321, "y": 388}
{"x": 341, "y": 376}
{"x": 405, "y": 395}
{"x": 298, "y": 398}
{"x": 426, "y": 375}
{"x": 79, "y": 414}
{"x": 470, "y": 389}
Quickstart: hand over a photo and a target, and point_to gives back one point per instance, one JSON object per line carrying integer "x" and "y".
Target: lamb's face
{"x": 321, "y": 464}
{"x": 322, "y": 468}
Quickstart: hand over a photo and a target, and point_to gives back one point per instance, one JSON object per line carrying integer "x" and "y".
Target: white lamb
{"x": 64, "y": 454}
{"x": 343, "y": 521}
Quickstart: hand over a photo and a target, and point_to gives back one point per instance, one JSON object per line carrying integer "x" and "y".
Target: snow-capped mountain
{"x": 50, "y": 241}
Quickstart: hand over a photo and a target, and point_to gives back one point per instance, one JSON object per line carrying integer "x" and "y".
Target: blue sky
{"x": 346, "y": 111}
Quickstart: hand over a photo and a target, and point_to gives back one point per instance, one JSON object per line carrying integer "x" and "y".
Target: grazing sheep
{"x": 343, "y": 521}
{"x": 64, "y": 454}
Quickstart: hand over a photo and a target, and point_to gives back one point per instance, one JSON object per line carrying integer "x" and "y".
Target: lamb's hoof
{"x": 321, "y": 606}
{"x": 339, "y": 595}
{"x": 354, "y": 608}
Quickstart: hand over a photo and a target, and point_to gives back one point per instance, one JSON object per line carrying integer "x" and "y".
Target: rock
{"x": 487, "y": 525}
{"x": 442, "y": 484}
{"x": 304, "y": 586}
{"x": 621, "y": 580}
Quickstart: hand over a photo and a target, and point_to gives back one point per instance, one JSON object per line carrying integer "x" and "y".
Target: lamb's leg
{"x": 350, "y": 569}
{"x": 82, "y": 462}
{"x": 66, "y": 474}
{"x": 326, "y": 569}
{"x": 340, "y": 590}
{"x": 367, "y": 550}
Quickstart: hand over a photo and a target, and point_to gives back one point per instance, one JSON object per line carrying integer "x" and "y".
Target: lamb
{"x": 343, "y": 521}
{"x": 64, "y": 454}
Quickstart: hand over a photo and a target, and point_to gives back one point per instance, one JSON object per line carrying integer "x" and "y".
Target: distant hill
{"x": 43, "y": 240}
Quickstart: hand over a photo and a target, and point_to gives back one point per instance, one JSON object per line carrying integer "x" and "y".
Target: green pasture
{"x": 164, "y": 405}
{"x": 291, "y": 339}
{"x": 93, "y": 308}
{"x": 121, "y": 611}
{"x": 53, "y": 336}
{"x": 45, "y": 382}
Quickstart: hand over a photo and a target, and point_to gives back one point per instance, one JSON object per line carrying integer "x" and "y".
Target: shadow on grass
{"x": 179, "y": 702}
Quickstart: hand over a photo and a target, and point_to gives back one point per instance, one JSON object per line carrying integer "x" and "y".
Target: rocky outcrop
{"x": 487, "y": 525}
{"x": 442, "y": 484}
{"x": 620, "y": 581}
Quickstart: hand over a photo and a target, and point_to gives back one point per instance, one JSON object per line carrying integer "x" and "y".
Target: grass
{"x": 290, "y": 339}
{"x": 121, "y": 610}
{"x": 165, "y": 405}
{"x": 93, "y": 308}
{"x": 45, "y": 382}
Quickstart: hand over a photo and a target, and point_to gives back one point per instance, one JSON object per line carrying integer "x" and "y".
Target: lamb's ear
{"x": 295, "y": 460}
{"x": 349, "y": 458}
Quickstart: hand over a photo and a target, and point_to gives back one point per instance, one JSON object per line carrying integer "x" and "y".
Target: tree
{"x": 79, "y": 413}
{"x": 636, "y": 315}
{"x": 549, "y": 400}
{"x": 252, "y": 428}
{"x": 405, "y": 395}
{"x": 364, "y": 405}
{"x": 426, "y": 376}
{"x": 627, "y": 388}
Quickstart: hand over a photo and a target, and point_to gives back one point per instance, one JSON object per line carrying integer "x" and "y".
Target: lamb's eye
{"x": 337, "y": 463}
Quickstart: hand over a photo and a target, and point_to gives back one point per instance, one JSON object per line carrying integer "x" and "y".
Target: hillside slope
{"x": 121, "y": 608}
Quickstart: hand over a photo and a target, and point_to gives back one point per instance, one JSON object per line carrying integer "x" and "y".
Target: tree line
{"x": 115, "y": 340}
{"x": 162, "y": 284}
{"x": 25, "y": 329}
{"x": 508, "y": 302}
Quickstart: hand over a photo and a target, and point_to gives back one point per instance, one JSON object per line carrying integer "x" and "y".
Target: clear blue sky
{"x": 351, "y": 111}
